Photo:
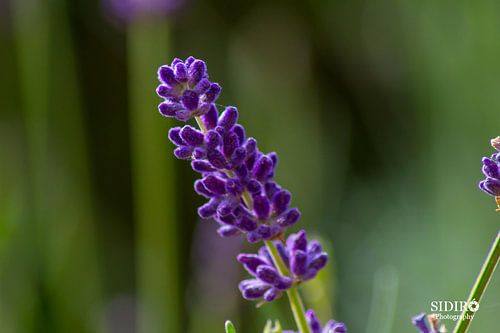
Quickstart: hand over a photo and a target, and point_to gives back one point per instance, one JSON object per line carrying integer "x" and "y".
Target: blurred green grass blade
{"x": 63, "y": 247}
{"x": 31, "y": 30}
{"x": 384, "y": 300}
{"x": 153, "y": 182}
{"x": 230, "y": 327}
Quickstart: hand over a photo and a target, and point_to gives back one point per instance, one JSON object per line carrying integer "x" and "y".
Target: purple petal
{"x": 270, "y": 275}
{"x": 217, "y": 159}
{"x": 261, "y": 207}
{"x": 240, "y": 132}
{"x": 180, "y": 72}
{"x": 202, "y": 86}
{"x": 491, "y": 168}
{"x": 210, "y": 117}
{"x": 208, "y": 210}
{"x": 228, "y": 118}
{"x": 174, "y": 135}
{"x": 252, "y": 289}
{"x": 192, "y": 136}
{"x": 251, "y": 262}
{"x": 262, "y": 168}
{"x": 201, "y": 189}
{"x": 298, "y": 263}
{"x": 227, "y": 231}
{"x": 212, "y": 93}
{"x": 297, "y": 241}
{"x": 230, "y": 143}
{"x": 190, "y": 100}
{"x": 201, "y": 166}
{"x": 197, "y": 71}
{"x": 289, "y": 218}
{"x": 215, "y": 184}
{"x": 419, "y": 322}
{"x": 169, "y": 109}
{"x": 246, "y": 223}
{"x": 272, "y": 294}
{"x": 313, "y": 321}
{"x": 491, "y": 186}
{"x": 167, "y": 76}
{"x": 238, "y": 157}
{"x": 281, "y": 200}
{"x": 318, "y": 262}
{"x": 183, "y": 153}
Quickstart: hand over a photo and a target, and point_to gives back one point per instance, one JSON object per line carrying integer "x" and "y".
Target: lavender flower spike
{"x": 491, "y": 170}
{"x": 237, "y": 179}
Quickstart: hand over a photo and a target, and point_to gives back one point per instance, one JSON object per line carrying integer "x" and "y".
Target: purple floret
{"x": 304, "y": 260}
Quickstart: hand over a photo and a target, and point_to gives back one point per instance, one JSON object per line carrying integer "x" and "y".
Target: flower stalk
{"x": 480, "y": 285}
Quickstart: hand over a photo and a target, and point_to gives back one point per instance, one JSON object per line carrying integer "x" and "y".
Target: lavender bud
{"x": 210, "y": 117}
{"x": 230, "y": 143}
{"x": 246, "y": 223}
{"x": 166, "y": 91}
{"x": 191, "y": 136}
{"x": 314, "y": 247}
{"x": 199, "y": 153}
{"x": 212, "y": 93}
{"x": 298, "y": 263}
{"x": 183, "y": 153}
{"x": 175, "y": 136}
{"x": 288, "y": 218}
{"x": 281, "y": 200}
{"x": 253, "y": 237}
{"x": 419, "y": 322}
{"x": 227, "y": 219}
{"x": 217, "y": 159}
{"x": 215, "y": 184}
{"x": 197, "y": 71}
{"x": 226, "y": 207}
{"x": 261, "y": 207}
{"x": 254, "y": 186}
{"x": 227, "y": 231}
{"x": 202, "y": 86}
{"x": 240, "y": 132}
{"x": 272, "y": 294}
{"x": 209, "y": 209}
{"x": 283, "y": 253}
{"x": 262, "y": 168}
{"x": 201, "y": 189}
{"x": 251, "y": 146}
{"x": 318, "y": 262}
{"x": 190, "y": 100}
{"x": 252, "y": 289}
{"x": 269, "y": 275}
{"x": 491, "y": 168}
{"x": 313, "y": 322}
{"x": 228, "y": 118}
{"x": 238, "y": 157}
{"x": 251, "y": 262}
{"x": 180, "y": 71}
{"x": 212, "y": 140}
{"x": 167, "y": 76}
{"x": 297, "y": 241}
{"x": 169, "y": 109}
{"x": 335, "y": 327}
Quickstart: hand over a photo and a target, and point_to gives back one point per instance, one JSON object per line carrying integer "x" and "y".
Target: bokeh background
{"x": 380, "y": 111}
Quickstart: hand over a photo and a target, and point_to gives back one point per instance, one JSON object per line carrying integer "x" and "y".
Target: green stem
{"x": 480, "y": 285}
{"x": 294, "y": 298}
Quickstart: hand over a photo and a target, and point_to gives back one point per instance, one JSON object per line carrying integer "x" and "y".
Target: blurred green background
{"x": 380, "y": 111}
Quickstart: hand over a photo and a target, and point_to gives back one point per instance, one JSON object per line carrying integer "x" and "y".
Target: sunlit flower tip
{"x": 420, "y": 322}
{"x": 495, "y": 143}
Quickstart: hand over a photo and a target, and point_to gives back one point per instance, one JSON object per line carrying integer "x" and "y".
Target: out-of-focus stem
{"x": 153, "y": 183}
{"x": 480, "y": 285}
{"x": 294, "y": 298}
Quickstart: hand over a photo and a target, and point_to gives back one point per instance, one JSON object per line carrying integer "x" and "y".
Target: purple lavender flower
{"x": 420, "y": 322}
{"x": 491, "y": 169}
{"x": 331, "y": 326}
{"x": 302, "y": 258}
{"x": 186, "y": 90}
{"x": 131, "y": 9}
{"x": 230, "y": 164}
